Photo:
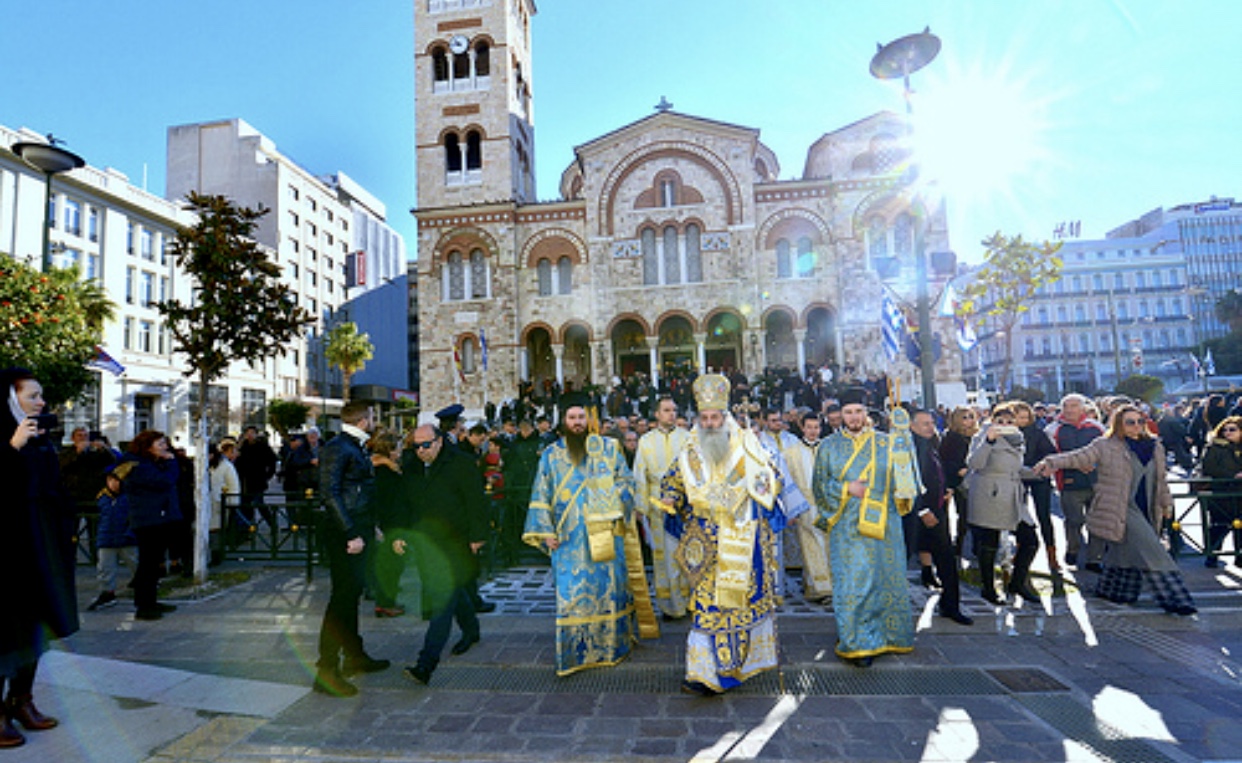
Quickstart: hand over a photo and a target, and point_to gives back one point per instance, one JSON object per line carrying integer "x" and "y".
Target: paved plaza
{"x": 227, "y": 679}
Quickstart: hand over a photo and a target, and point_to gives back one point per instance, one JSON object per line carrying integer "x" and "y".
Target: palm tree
{"x": 349, "y": 351}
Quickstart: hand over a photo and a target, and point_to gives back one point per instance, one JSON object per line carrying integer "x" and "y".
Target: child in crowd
{"x": 115, "y": 539}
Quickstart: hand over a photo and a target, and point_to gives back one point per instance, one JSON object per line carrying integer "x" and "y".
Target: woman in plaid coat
{"x": 1131, "y": 500}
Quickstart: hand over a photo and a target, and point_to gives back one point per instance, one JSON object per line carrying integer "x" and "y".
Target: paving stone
{"x": 662, "y": 728}
{"x": 567, "y": 704}
{"x": 591, "y": 727}
{"x": 550, "y": 725}
{"x": 655, "y": 747}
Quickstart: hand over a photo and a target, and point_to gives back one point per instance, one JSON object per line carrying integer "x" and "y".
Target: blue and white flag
{"x": 1209, "y": 365}
{"x": 105, "y": 362}
{"x": 1196, "y": 365}
{"x": 893, "y": 329}
{"x": 483, "y": 347}
{"x": 948, "y": 305}
{"x": 967, "y": 339}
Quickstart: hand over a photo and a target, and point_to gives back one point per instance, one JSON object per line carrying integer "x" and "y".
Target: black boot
{"x": 1028, "y": 547}
{"x": 987, "y": 572}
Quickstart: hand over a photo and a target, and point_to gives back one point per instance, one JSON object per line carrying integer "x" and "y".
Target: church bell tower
{"x": 474, "y": 120}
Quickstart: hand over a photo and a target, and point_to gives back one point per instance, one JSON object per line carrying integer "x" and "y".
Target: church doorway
{"x": 629, "y": 349}
{"x": 724, "y": 342}
{"x": 780, "y": 349}
{"x": 677, "y": 347}
{"x": 541, "y": 363}
{"x": 820, "y": 337}
{"x": 577, "y": 363}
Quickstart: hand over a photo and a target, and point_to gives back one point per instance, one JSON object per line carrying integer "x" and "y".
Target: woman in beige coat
{"x": 1131, "y": 500}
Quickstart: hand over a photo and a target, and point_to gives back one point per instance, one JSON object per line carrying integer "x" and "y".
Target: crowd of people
{"x": 736, "y": 498}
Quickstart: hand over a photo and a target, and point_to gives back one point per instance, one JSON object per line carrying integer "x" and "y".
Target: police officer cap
{"x": 450, "y": 414}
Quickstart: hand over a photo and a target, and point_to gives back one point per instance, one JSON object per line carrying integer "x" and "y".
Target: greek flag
{"x": 966, "y": 336}
{"x": 894, "y": 329}
{"x": 483, "y": 345}
{"x": 1209, "y": 365}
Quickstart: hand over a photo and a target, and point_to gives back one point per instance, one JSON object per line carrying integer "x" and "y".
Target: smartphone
{"x": 46, "y": 422}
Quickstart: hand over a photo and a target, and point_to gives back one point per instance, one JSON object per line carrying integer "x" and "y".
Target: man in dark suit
{"x": 931, "y": 509}
{"x": 446, "y": 529}
{"x": 347, "y": 482}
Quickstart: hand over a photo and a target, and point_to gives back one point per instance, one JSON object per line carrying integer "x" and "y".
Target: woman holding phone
{"x": 37, "y": 523}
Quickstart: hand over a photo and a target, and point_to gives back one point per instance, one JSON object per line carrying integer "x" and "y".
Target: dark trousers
{"x": 21, "y": 684}
{"x": 339, "y": 633}
{"x": 456, "y": 605}
{"x": 386, "y": 570}
{"x": 153, "y": 542}
{"x": 1041, "y": 494}
{"x": 937, "y": 541}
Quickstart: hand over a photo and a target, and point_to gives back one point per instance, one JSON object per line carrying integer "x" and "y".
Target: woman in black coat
{"x": 1038, "y": 447}
{"x": 1222, "y": 461}
{"x": 154, "y": 514}
{"x": 37, "y": 523}
{"x": 954, "y": 445}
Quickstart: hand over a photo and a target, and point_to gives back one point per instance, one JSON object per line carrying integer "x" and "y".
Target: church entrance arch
{"x": 677, "y": 348}
{"x": 541, "y": 362}
{"x": 577, "y": 362}
{"x": 629, "y": 349}
{"x": 821, "y": 337}
{"x": 723, "y": 345}
{"x": 780, "y": 349}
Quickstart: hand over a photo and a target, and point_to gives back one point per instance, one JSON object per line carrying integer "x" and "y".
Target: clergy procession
{"x": 709, "y": 519}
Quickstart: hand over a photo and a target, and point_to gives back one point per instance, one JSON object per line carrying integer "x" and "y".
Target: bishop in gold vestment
{"x": 727, "y": 499}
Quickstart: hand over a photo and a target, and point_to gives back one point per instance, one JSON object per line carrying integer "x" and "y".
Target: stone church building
{"x": 673, "y": 243}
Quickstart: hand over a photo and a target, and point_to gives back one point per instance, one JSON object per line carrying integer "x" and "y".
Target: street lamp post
{"x": 901, "y": 58}
{"x": 50, "y": 159}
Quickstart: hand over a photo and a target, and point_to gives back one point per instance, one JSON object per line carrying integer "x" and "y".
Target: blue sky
{"x": 1033, "y": 113}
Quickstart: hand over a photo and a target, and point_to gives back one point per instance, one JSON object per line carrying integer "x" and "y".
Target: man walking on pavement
{"x": 932, "y": 511}
{"x": 1072, "y": 430}
{"x": 447, "y": 528}
{"x": 347, "y": 481}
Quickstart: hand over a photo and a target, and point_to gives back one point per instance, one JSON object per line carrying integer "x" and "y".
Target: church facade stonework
{"x": 674, "y": 244}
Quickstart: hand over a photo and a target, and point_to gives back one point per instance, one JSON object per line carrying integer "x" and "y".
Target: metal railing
{"x": 1203, "y": 507}
{"x": 273, "y": 526}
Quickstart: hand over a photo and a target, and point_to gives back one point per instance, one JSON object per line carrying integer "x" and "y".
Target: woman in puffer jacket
{"x": 1131, "y": 500}
{"x": 998, "y": 502}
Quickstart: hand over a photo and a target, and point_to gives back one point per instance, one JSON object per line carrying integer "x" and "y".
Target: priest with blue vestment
{"x": 581, "y": 504}
{"x": 864, "y": 482}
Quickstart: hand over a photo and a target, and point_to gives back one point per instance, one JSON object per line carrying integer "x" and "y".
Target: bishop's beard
{"x": 575, "y": 443}
{"x": 715, "y": 443}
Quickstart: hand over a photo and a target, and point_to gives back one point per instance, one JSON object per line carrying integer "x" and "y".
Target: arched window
{"x": 461, "y": 66}
{"x": 1043, "y": 315}
{"x": 806, "y": 258}
{"x": 474, "y": 150}
{"x": 1080, "y": 314}
{"x": 478, "y": 274}
{"x": 1142, "y": 309}
{"x": 1084, "y": 343}
{"x": 1165, "y": 341}
{"x": 469, "y": 351}
{"x": 455, "y": 277}
{"x": 671, "y": 256}
{"x": 1028, "y": 347}
{"x": 1175, "y": 307}
{"x": 1160, "y": 309}
{"x": 784, "y": 267}
{"x": 1123, "y": 311}
{"x": 1062, "y": 314}
{"x": 564, "y": 275}
{"x": 544, "y": 270}
{"x": 1046, "y": 347}
{"x": 1106, "y": 342}
{"x": 1181, "y": 336}
{"x": 1097, "y": 282}
{"x": 1101, "y": 312}
{"x": 439, "y": 66}
{"x": 877, "y": 238}
{"x": 1140, "y": 280}
{"x": 694, "y": 257}
{"x": 1076, "y": 284}
{"x": 1156, "y": 279}
{"x": 452, "y": 153}
{"x": 651, "y": 258}
{"x": 482, "y": 62}
{"x": 903, "y": 236}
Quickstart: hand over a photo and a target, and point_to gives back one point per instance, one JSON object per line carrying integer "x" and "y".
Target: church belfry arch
{"x": 716, "y": 167}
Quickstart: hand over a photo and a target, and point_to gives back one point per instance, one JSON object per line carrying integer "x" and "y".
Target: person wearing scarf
{"x": 1132, "y": 499}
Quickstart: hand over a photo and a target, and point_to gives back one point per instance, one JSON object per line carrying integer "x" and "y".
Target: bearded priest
{"x": 727, "y": 499}
{"x": 581, "y": 503}
{"x": 864, "y": 481}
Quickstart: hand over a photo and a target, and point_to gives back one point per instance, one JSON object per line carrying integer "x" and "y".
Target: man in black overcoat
{"x": 445, "y": 530}
{"x": 932, "y": 512}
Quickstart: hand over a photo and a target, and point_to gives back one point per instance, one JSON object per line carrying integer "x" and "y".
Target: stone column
{"x": 524, "y": 363}
{"x": 601, "y": 364}
{"x": 653, "y": 350}
{"x": 558, "y": 351}
{"x": 700, "y": 341}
